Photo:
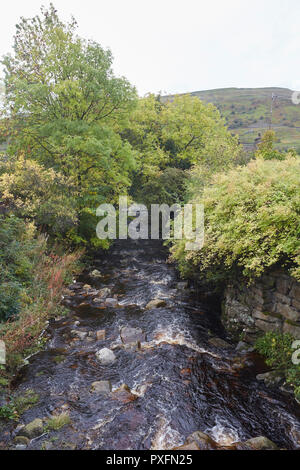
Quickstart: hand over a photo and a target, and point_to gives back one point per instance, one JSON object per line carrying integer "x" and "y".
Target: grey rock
{"x": 270, "y": 378}
{"x": 132, "y": 335}
{"x": 111, "y": 302}
{"x": 242, "y": 346}
{"x": 105, "y": 356}
{"x": 283, "y": 285}
{"x": 294, "y": 330}
{"x": 268, "y": 326}
{"x": 80, "y": 334}
{"x": 288, "y": 312}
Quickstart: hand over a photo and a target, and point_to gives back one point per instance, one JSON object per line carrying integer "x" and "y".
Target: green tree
{"x": 266, "y": 148}
{"x": 66, "y": 108}
{"x": 179, "y": 133}
{"x": 47, "y": 198}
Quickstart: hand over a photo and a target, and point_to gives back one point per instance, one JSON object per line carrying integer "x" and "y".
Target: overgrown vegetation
{"x": 32, "y": 280}
{"x": 278, "y": 350}
{"x": 78, "y": 136}
{"x": 251, "y": 222}
{"x": 18, "y": 405}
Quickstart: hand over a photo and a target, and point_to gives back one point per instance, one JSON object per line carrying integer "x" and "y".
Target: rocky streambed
{"x": 140, "y": 362}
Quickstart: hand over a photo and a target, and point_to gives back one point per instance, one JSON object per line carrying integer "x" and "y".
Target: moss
{"x": 57, "y": 422}
{"x": 59, "y": 359}
{"x": 22, "y": 403}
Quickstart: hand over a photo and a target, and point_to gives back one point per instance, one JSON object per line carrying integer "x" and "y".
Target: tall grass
{"x": 23, "y": 335}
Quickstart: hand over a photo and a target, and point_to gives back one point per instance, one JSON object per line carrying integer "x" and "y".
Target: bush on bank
{"x": 251, "y": 222}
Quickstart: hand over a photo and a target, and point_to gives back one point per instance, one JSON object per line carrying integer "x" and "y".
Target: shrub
{"x": 251, "y": 222}
{"x": 277, "y": 349}
{"x": 39, "y": 194}
{"x": 36, "y": 279}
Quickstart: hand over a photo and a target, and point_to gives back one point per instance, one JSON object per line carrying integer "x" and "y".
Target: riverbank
{"x": 23, "y": 335}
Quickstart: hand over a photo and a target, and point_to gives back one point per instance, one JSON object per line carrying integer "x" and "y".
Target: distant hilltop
{"x": 247, "y": 112}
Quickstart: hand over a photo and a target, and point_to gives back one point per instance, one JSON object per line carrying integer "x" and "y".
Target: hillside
{"x": 247, "y": 112}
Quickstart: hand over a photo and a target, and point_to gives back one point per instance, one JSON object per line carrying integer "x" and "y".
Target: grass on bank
{"x": 32, "y": 279}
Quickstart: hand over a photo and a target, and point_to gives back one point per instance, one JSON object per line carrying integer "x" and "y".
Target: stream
{"x": 179, "y": 381}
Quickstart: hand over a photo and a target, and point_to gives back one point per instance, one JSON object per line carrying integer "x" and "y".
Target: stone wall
{"x": 271, "y": 304}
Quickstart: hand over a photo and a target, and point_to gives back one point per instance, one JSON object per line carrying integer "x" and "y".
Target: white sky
{"x": 177, "y": 46}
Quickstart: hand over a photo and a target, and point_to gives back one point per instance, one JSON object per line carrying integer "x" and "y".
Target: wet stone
{"x": 260, "y": 443}
{"x": 105, "y": 292}
{"x": 102, "y": 387}
{"x": 124, "y": 394}
{"x": 100, "y": 335}
{"x": 95, "y": 274}
{"x": 111, "y": 302}
{"x": 79, "y": 334}
{"x": 33, "y": 429}
{"x": 132, "y": 335}
{"x": 22, "y": 440}
{"x": 203, "y": 441}
{"x": 105, "y": 356}
{"x": 156, "y": 303}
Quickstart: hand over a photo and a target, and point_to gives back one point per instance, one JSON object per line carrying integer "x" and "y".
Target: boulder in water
{"x": 105, "y": 292}
{"x": 33, "y": 429}
{"x": 95, "y": 274}
{"x": 124, "y": 394}
{"x": 156, "y": 303}
{"x": 105, "y": 356}
{"x": 100, "y": 334}
{"x": 188, "y": 446}
{"x": 132, "y": 335}
{"x": 203, "y": 441}
{"x": 102, "y": 387}
{"x": 111, "y": 302}
{"x": 274, "y": 377}
{"x": 260, "y": 443}
{"x": 80, "y": 334}
{"x": 86, "y": 287}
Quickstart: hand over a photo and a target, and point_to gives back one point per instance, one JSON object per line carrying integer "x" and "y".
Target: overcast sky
{"x": 178, "y": 46}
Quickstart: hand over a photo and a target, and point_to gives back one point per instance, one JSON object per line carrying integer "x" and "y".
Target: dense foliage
{"x": 177, "y": 134}
{"x": 19, "y": 256}
{"x": 251, "y": 221}
{"x": 65, "y": 109}
{"x": 279, "y": 351}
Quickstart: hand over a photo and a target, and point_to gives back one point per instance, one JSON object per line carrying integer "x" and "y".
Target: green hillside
{"x": 248, "y": 113}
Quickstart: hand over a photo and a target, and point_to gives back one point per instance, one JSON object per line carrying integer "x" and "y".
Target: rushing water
{"x": 180, "y": 382}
